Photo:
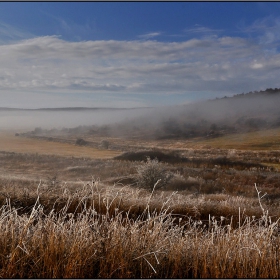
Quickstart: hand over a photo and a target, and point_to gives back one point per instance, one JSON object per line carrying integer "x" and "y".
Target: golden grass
{"x": 257, "y": 140}
{"x": 95, "y": 235}
{"x": 10, "y": 143}
{"x": 95, "y": 230}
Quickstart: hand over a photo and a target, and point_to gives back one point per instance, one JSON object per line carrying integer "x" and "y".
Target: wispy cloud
{"x": 9, "y": 33}
{"x": 202, "y": 30}
{"x": 150, "y": 35}
{"x": 266, "y": 31}
{"x": 68, "y": 28}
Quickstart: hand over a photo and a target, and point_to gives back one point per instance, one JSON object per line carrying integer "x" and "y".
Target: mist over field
{"x": 67, "y": 117}
{"x": 240, "y": 113}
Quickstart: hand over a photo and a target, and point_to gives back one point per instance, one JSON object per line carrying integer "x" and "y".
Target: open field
{"x": 257, "y": 140}
{"x": 10, "y": 143}
{"x": 266, "y": 140}
{"x": 90, "y": 212}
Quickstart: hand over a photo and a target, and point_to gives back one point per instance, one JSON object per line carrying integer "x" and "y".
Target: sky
{"x": 135, "y": 54}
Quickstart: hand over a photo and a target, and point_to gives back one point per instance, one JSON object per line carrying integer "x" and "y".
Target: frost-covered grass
{"x": 203, "y": 219}
{"x": 96, "y": 230}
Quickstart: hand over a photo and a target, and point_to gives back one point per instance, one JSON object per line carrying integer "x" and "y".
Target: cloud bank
{"x": 218, "y": 65}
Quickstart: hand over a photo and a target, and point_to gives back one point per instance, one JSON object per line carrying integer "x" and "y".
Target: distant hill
{"x": 267, "y": 92}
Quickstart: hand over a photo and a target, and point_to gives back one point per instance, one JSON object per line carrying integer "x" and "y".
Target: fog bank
{"x": 47, "y": 119}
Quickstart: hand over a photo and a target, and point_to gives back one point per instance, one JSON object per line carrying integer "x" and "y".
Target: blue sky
{"x": 130, "y": 54}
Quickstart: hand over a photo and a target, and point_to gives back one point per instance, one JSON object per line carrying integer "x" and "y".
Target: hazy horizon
{"x": 214, "y": 110}
{"x": 57, "y": 119}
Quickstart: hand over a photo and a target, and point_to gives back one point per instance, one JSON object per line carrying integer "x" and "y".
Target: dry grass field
{"x": 195, "y": 209}
{"x": 258, "y": 140}
{"x": 265, "y": 140}
{"x": 10, "y": 143}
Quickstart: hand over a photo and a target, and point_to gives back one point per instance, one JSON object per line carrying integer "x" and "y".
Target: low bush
{"x": 151, "y": 172}
{"x": 104, "y": 144}
{"x": 170, "y": 157}
{"x": 177, "y": 183}
{"x": 81, "y": 142}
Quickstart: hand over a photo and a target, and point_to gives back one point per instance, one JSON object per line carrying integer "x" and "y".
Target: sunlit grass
{"x": 257, "y": 140}
{"x": 99, "y": 231}
{"x": 92, "y": 229}
{"x": 10, "y": 143}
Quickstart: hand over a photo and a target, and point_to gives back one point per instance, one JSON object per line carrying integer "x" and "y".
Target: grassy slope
{"x": 257, "y": 140}
{"x": 10, "y": 143}
{"x": 266, "y": 140}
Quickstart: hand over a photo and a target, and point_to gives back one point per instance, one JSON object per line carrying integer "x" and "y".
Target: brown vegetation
{"x": 98, "y": 231}
{"x": 84, "y": 216}
{"x": 10, "y": 143}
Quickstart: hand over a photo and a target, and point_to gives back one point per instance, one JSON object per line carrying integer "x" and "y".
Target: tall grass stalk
{"x": 97, "y": 234}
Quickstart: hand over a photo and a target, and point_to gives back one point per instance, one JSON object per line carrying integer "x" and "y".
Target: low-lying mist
{"x": 60, "y": 118}
{"x": 212, "y": 118}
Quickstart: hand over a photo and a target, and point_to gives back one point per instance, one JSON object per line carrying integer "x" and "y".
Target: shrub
{"x": 38, "y": 130}
{"x": 177, "y": 183}
{"x": 171, "y": 157}
{"x": 81, "y": 142}
{"x": 150, "y": 172}
{"x": 104, "y": 144}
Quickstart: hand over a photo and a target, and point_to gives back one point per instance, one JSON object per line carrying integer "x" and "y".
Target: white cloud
{"x": 221, "y": 64}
